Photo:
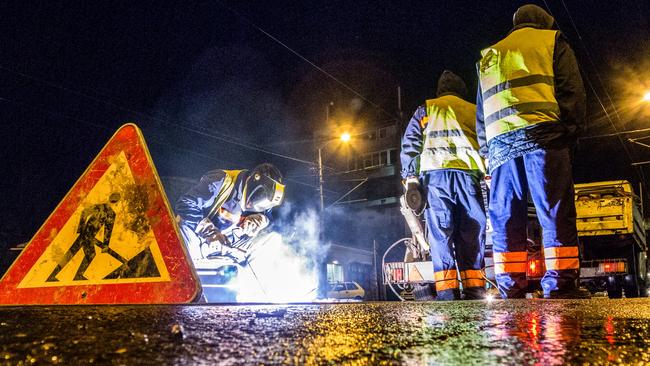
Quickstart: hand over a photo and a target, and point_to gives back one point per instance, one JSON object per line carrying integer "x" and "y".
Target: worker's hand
{"x": 413, "y": 195}
{"x": 209, "y": 233}
{"x": 254, "y": 223}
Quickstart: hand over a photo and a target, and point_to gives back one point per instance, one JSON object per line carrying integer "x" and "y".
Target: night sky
{"x": 205, "y": 83}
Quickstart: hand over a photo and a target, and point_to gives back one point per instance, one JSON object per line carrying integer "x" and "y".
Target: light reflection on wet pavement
{"x": 516, "y": 332}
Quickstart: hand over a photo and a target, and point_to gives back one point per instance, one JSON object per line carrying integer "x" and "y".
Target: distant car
{"x": 345, "y": 291}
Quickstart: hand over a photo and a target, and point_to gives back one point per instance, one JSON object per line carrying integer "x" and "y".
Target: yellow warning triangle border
{"x": 175, "y": 280}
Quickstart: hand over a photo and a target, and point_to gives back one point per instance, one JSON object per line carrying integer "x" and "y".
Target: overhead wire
{"x": 638, "y": 170}
{"x": 214, "y": 135}
{"x": 300, "y": 56}
{"x": 155, "y": 141}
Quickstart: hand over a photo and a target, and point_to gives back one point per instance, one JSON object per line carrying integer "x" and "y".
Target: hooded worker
{"x": 530, "y": 110}
{"x": 440, "y": 153}
{"x": 225, "y": 201}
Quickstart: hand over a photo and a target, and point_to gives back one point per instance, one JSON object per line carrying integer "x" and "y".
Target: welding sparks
{"x": 278, "y": 275}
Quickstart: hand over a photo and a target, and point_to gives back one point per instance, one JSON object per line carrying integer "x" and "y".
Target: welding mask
{"x": 263, "y": 189}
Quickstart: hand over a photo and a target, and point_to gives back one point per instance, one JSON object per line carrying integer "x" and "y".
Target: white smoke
{"x": 285, "y": 266}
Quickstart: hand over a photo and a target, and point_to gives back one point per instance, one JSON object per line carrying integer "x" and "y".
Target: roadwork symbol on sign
{"x": 112, "y": 239}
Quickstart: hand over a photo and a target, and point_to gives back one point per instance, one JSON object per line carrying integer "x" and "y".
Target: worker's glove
{"x": 212, "y": 238}
{"x": 413, "y": 195}
{"x": 253, "y": 224}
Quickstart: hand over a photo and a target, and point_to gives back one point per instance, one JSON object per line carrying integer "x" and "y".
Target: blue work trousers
{"x": 455, "y": 219}
{"x": 547, "y": 176}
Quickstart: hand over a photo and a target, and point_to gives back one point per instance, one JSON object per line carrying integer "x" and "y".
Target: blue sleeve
{"x": 412, "y": 144}
{"x": 480, "y": 120}
{"x": 190, "y": 206}
{"x": 569, "y": 88}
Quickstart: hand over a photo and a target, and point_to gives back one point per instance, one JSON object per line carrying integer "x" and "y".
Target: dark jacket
{"x": 196, "y": 204}
{"x": 569, "y": 93}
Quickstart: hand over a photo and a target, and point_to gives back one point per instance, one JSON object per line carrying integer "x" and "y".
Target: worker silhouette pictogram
{"x": 93, "y": 219}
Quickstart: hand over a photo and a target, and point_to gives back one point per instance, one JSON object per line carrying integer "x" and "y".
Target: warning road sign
{"x": 112, "y": 239}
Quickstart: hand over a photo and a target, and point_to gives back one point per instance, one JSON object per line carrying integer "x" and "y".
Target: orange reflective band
{"x": 473, "y": 283}
{"x": 559, "y": 264}
{"x": 471, "y": 273}
{"x": 510, "y": 257}
{"x": 519, "y": 267}
{"x": 561, "y": 252}
{"x": 446, "y": 285}
{"x": 425, "y": 121}
{"x": 445, "y": 275}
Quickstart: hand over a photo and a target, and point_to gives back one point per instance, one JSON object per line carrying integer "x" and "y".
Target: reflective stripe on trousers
{"x": 546, "y": 174}
{"x": 455, "y": 218}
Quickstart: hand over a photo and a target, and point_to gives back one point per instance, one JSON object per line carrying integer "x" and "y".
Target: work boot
{"x": 448, "y": 295}
{"x": 570, "y": 293}
{"x": 474, "y": 293}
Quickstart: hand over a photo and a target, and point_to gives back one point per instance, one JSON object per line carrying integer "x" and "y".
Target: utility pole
{"x": 374, "y": 265}
{"x": 320, "y": 179}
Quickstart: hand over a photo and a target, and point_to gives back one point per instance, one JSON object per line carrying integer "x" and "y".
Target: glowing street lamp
{"x": 345, "y": 136}
{"x": 646, "y": 96}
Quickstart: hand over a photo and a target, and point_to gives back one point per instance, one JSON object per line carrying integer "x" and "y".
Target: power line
{"x": 214, "y": 135}
{"x": 614, "y": 134}
{"x": 156, "y": 141}
{"x": 334, "y": 78}
{"x": 638, "y": 170}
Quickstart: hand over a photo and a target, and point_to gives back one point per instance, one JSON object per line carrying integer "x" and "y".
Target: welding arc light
{"x": 345, "y": 137}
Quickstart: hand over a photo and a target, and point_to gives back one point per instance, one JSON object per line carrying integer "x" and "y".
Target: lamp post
{"x": 345, "y": 137}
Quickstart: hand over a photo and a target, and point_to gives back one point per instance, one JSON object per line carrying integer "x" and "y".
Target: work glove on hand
{"x": 213, "y": 239}
{"x": 254, "y": 223}
{"x": 413, "y": 195}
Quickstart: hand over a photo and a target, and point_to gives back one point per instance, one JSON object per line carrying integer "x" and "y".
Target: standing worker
{"x": 439, "y": 149}
{"x": 530, "y": 110}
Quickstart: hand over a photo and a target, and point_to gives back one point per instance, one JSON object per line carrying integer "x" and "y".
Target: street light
{"x": 646, "y": 96}
{"x": 345, "y": 137}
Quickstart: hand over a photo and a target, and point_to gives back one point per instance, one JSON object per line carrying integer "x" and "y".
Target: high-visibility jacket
{"x": 218, "y": 196}
{"x": 449, "y": 135}
{"x": 517, "y": 81}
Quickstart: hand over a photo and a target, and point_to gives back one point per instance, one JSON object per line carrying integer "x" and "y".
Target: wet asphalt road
{"x": 517, "y": 332}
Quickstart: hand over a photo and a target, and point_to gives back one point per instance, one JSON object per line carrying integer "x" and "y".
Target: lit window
{"x": 334, "y": 272}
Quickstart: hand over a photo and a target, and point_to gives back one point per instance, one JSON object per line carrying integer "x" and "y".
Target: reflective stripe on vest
{"x": 449, "y": 135}
{"x": 517, "y": 81}
{"x": 562, "y": 258}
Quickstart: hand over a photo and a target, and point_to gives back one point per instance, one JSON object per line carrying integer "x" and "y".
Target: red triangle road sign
{"x": 111, "y": 240}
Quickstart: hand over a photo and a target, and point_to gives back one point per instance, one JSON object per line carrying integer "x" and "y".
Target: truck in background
{"x": 612, "y": 239}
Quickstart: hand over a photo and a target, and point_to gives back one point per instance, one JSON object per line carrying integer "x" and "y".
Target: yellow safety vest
{"x": 224, "y": 192}
{"x": 517, "y": 81}
{"x": 449, "y": 135}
